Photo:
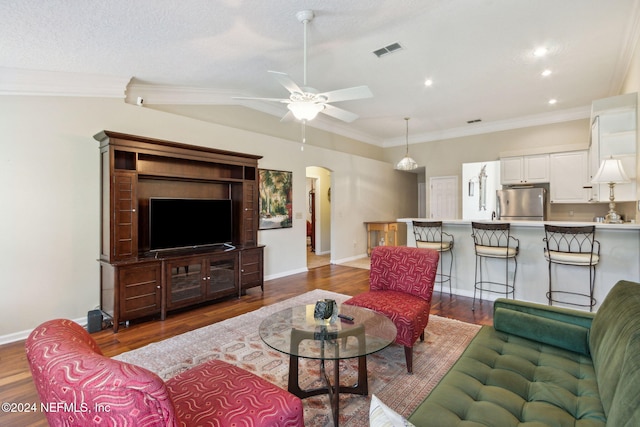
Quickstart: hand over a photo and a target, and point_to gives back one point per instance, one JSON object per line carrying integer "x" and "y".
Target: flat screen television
{"x": 187, "y": 223}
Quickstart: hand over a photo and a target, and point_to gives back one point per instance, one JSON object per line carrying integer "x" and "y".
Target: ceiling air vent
{"x": 474, "y": 121}
{"x": 387, "y": 50}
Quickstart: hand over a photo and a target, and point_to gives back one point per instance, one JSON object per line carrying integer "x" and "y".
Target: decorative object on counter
{"x": 611, "y": 172}
{"x": 407, "y": 163}
{"x": 572, "y": 246}
{"x": 492, "y": 240}
{"x": 481, "y": 179}
{"x": 429, "y": 235}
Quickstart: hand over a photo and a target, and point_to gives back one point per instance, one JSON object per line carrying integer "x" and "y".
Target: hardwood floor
{"x": 16, "y": 384}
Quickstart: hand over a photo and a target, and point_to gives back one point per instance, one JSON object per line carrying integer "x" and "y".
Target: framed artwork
{"x": 275, "y": 199}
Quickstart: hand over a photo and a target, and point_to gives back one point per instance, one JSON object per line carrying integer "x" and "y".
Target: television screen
{"x": 180, "y": 223}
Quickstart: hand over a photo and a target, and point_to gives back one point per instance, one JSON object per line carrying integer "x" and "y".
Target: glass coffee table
{"x": 295, "y": 332}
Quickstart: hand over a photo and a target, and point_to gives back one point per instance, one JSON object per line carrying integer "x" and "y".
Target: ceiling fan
{"x": 304, "y": 103}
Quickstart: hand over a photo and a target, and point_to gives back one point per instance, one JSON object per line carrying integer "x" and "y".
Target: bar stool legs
{"x": 429, "y": 234}
{"x": 493, "y": 240}
{"x": 572, "y": 246}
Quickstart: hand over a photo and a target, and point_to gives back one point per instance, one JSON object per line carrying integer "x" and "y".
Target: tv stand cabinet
{"x": 136, "y": 282}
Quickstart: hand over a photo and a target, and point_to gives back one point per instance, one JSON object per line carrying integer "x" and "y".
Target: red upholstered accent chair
{"x": 401, "y": 286}
{"x": 89, "y": 389}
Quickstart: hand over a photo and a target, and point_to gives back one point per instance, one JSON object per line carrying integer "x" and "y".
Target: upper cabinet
{"x": 569, "y": 181}
{"x": 614, "y": 134}
{"x": 524, "y": 169}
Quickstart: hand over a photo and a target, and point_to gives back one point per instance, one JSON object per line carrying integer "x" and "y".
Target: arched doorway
{"x": 318, "y": 190}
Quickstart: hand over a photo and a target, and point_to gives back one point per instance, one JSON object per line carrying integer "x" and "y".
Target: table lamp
{"x": 611, "y": 172}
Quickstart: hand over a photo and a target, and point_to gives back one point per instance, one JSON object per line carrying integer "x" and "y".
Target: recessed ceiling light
{"x": 428, "y": 82}
{"x": 546, "y": 73}
{"x": 541, "y": 51}
{"x": 552, "y": 101}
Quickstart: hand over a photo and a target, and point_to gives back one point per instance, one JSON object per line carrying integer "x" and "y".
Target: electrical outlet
{"x": 570, "y": 213}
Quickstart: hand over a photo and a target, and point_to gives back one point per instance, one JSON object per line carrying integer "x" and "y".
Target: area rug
{"x": 236, "y": 341}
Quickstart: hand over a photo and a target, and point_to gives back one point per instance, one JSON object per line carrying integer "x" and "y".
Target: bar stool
{"x": 429, "y": 235}
{"x": 494, "y": 240}
{"x": 574, "y": 246}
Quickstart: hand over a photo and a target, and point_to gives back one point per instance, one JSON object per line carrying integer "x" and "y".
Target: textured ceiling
{"x": 477, "y": 52}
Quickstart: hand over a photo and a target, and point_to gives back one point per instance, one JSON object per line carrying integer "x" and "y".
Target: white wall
{"x": 49, "y": 219}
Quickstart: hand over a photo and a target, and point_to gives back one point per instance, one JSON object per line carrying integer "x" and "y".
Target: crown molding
{"x": 15, "y": 81}
{"x": 176, "y": 95}
{"x": 497, "y": 126}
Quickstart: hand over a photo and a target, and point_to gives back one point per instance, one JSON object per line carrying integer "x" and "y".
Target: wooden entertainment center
{"x": 138, "y": 282}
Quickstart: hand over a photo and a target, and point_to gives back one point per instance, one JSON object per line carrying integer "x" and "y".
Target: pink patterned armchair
{"x": 81, "y": 387}
{"x": 401, "y": 286}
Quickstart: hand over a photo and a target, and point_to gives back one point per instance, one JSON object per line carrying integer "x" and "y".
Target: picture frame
{"x": 275, "y": 199}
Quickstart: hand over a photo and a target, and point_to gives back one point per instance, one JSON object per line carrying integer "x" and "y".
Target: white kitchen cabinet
{"x": 614, "y": 134}
{"x": 531, "y": 169}
{"x": 569, "y": 180}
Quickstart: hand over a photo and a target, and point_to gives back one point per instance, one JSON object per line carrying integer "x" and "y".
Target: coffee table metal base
{"x": 333, "y": 390}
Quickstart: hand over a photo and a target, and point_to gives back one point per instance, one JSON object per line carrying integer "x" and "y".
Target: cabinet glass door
{"x": 221, "y": 276}
{"x": 185, "y": 281}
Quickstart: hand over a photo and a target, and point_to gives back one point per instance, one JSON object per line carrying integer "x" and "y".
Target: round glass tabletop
{"x": 296, "y": 332}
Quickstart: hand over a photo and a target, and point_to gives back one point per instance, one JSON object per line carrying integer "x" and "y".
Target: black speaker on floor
{"x": 94, "y": 321}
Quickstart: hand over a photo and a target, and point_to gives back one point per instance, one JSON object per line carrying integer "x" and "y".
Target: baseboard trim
{"x": 22, "y": 335}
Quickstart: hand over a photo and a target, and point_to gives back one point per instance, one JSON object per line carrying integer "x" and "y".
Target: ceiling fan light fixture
{"x": 407, "y": 163}
{"x": 305, "y": 110}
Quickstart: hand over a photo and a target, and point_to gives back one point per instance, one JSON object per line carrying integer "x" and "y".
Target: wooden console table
{"x": 381, "y": 229}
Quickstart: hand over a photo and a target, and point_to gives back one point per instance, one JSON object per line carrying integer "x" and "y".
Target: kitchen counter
{"x": 619, "y": 259}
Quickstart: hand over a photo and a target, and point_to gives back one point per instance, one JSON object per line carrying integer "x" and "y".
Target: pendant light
{"x": 407, "y": 163}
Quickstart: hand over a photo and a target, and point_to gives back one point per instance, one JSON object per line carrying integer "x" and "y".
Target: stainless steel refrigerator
{"x": 521, "y": 204}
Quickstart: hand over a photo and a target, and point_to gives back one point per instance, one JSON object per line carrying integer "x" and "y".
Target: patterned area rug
{"x": 236, "y": 341}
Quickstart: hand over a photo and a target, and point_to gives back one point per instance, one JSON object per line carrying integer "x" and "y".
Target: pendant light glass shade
{"x": 407, "y": 163}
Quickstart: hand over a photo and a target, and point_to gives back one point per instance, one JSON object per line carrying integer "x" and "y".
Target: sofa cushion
{"x": 615, "y": 347}
{"x": 506, "y": 380}
{"x": 557, "y": 326}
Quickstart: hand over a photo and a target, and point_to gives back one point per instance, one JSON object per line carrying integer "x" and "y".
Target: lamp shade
{"x": 610, "y": 172}
{"x": 305, "y": 110}
{"x": 406, "y": 164}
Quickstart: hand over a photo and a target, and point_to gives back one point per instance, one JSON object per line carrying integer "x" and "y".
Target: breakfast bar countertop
{"x": 619, "y": 258}
{"x": 535, "y": 224}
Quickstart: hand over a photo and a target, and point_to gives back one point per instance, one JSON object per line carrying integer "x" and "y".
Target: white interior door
{"x": 443, "y": 197}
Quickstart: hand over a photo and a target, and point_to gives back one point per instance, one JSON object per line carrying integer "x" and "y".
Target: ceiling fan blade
{"x": 284, "y": 101}
{"x": 357, "y": 92}
{"x": 339, "y": 113}
{"x": 286, "y": 81}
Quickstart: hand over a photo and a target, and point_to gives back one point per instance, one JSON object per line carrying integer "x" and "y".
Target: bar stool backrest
{"x": 571, "y": 239}
{"x": 491, "y": 234}
{"x": 430, "y": 231}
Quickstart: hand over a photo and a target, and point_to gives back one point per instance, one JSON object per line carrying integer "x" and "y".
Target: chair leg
{"x": 450, "y": 268}
{"x": 422, "y": 337}
{"x": 408, "y": 355}
{"x": 475, "y": 285}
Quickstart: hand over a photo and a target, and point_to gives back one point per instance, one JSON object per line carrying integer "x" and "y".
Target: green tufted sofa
{"x": 546, "y": 366}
